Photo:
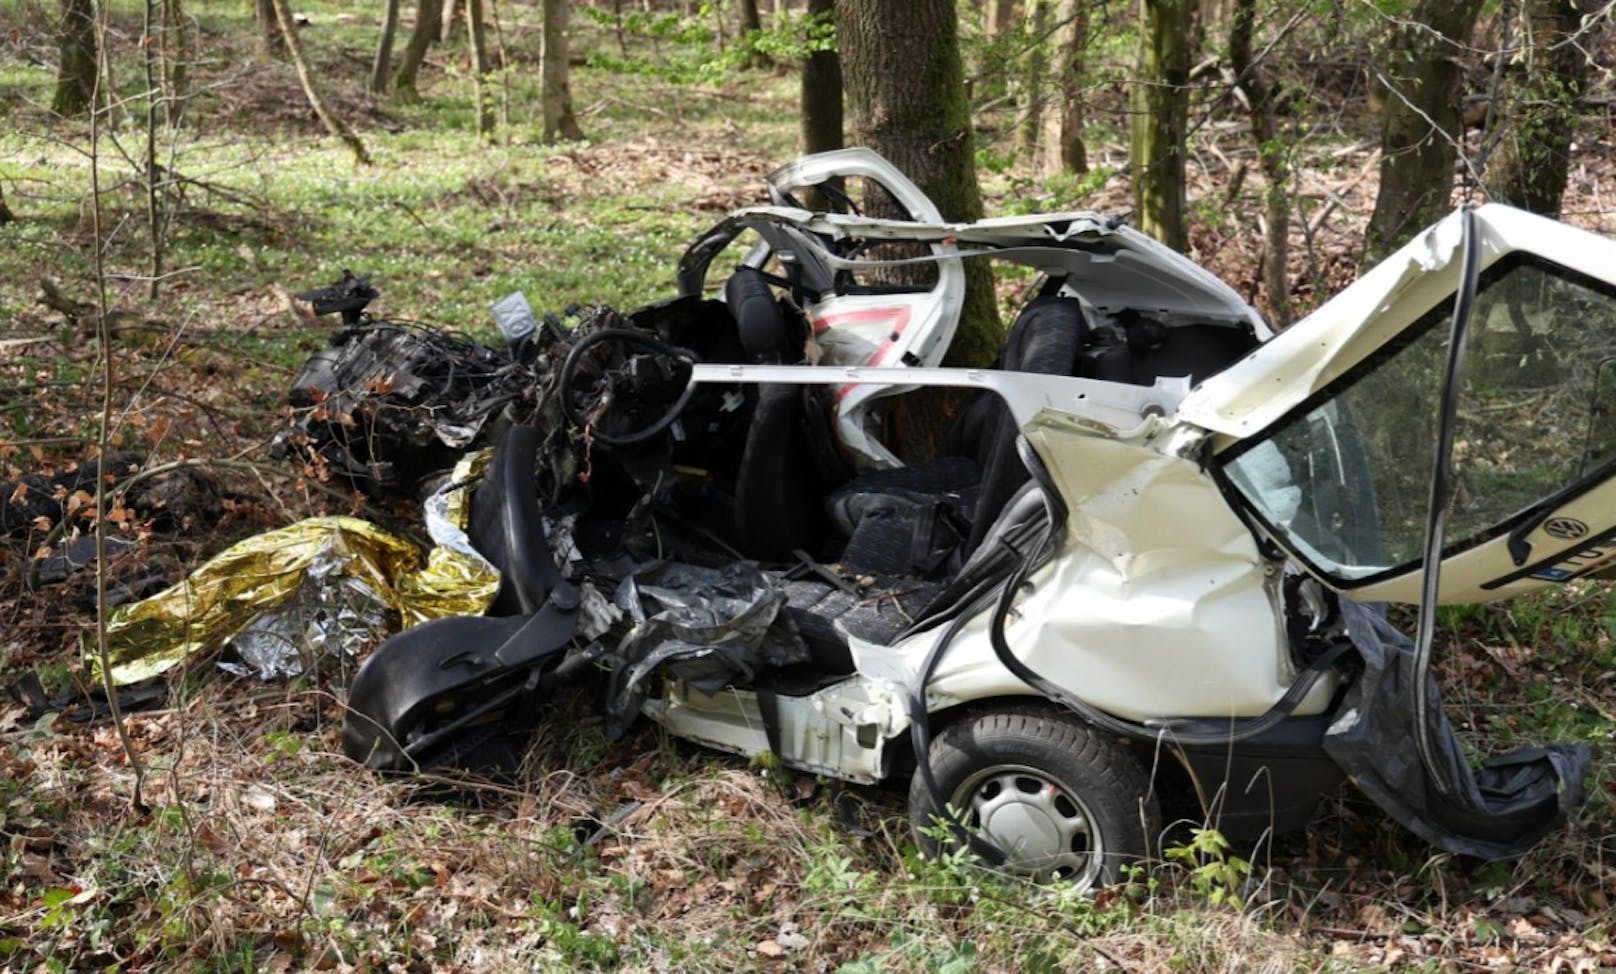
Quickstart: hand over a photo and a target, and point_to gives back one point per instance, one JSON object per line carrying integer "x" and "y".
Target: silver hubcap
{"x": 1045, "y": 831}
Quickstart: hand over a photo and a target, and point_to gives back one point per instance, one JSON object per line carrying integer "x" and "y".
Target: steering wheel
{"x": 631, "y": 338}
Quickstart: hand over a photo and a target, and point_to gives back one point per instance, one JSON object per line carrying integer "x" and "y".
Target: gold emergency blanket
{"x": 253, "y": 578}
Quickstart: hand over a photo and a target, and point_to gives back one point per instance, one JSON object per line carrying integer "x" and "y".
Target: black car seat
{"x": 1150, "y": 350}
{"x": 779, "y": 489}
{"x": 504, "y": 526}
{"x": 917, "y": 518}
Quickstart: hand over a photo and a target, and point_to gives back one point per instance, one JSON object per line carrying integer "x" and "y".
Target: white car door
{"x": 1326, "y": 433}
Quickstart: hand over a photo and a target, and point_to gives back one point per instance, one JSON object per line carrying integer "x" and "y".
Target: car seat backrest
{"x": 505, "y": 526}
{"x": 767, "y": 333}
{"x": 1197, "y": 351}
{"x": 778, "y": 490}
{"x": 1045, "y": 338}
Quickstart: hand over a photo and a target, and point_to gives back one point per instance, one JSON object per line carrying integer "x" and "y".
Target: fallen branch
{"x": 294, "y": 50}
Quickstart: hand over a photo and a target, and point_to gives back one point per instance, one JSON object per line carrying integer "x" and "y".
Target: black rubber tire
{"x": 1037, "y": 742}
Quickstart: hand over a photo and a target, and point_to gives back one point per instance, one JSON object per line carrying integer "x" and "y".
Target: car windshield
{"x": 1343, "y": 481}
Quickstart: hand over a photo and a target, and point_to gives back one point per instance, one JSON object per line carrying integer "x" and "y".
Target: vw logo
{"x": 1564, "y": 528}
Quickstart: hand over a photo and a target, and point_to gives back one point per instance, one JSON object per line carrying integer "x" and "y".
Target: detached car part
{"x": 390, "y": 404}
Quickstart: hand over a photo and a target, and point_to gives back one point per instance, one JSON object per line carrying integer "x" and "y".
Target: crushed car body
{"x": 1151, "y": 529}
{"x": 1155, "y": 529}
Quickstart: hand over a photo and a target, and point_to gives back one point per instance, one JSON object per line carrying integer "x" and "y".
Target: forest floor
{"x": 262, "y": 848}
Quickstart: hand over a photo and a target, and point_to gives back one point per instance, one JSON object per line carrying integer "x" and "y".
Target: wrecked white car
{"x": 1151, "y": 539}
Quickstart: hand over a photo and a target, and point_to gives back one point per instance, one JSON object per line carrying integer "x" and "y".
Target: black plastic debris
{"x": 347, "y": 297}
{"x": 49, "y": 495}
{"x": 34, "y": 507}
{"x": 712, "y": 627}
{"x": 1496, "y": 811}
{"x": 388, "y": 405}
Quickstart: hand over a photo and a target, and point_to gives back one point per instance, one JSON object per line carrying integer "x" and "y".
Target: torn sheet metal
{"x": 267, "y": 574}
{"x": 1496, "y": 811}
{"x": 712, "y": 627}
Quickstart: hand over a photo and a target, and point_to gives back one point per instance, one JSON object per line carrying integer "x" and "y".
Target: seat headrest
{"x": 765, "y": 332}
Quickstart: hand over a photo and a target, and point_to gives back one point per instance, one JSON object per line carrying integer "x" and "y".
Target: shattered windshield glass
{"x": 1344, "y": 481}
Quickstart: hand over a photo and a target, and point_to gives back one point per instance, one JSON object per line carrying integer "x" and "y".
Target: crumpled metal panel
{"x": 712, "y": 627}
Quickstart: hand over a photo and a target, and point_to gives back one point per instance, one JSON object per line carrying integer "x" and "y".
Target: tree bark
{"x": 294, "y": 50}
{"x": 1033, "y": 79}
{"x": 559, "y": 122}
{"x": 271, "y": 42}
{"x": 906, "y": 88}
{"x": 428, "y": 15}
{"x": 383, "y": 64}
{"x": 1420, "y": 123}
{"x": 76, "y": 74}
{"x": 821, "y": 89}
{"x": 1159, "y": 103}
{"x": 1260, "y": 92}
{"x": 1001, "y": 17}
{"x": 751, "y": 23}
{"x": 479, "y": 67}
{"x": 1064, "y": 150}
{"x": 1528, "y": 168}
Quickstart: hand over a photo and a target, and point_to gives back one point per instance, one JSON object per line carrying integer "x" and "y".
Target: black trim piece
{"x": 1436, "y": 513}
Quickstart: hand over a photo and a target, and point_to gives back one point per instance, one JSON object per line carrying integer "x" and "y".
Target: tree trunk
{"x": 271, "y": 42}
{"x": 1420, "y": 123}
{"x": 384, "y": 49}
{"x": 154, "y": 216}
{"x": 1528, "y": 169}
{"x": 76, "y": 74}
{"x": 751, "y": 24}
{"x": 1159, "y": 102}
{"x": 1260, "y": 91}
{"x": 1001, "y": 17}
{"x": 176, "y": 25}
{"x": 1033, "y": 80}
{"x": 1003, "y": 48}
{"x": 559, "y": 122}
{"x": 906, "y": 88}
{"x": 6, "y": 216}
{"x": 479, "y": 67}
{"x": 1063, "y": 115}
{"x": 446, "y": 21}
{"x": 428, "y": 14}
{"x": 294, "y": 50}
{"x": 821, "y": 89}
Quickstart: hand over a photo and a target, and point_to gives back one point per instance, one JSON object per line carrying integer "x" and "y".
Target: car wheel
{"x": 1060, "y": 800}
